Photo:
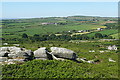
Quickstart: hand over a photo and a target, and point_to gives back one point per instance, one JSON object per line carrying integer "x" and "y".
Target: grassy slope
{"x": 58, "y": 69}
{"x": 67, "y": 69}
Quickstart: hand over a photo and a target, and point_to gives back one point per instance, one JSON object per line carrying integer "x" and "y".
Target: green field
{"x": 116, "y": 36}
{"x": 16, "y": 27}
{"x": 47, "y": 29}
{"x": 107, "y": 32}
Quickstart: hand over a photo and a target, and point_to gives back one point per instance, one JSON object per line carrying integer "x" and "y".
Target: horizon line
{"x": 58, "y": 16}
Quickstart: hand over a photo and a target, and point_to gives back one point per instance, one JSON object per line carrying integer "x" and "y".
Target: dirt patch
{"x": 109, "y": 22}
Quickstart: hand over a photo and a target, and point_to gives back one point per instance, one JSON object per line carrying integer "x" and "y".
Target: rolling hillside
{"x": 12, "y": 28}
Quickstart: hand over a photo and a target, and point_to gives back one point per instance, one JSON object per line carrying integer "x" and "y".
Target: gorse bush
{"x": 68, "y": 68}
{"x": 57, "y": 69}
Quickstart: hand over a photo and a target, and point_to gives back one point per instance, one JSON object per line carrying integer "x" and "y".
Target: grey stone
{"x": 12, "y": 55}
{"x": 63, "y": 53}
{"x": 4, "y": 48}
{"x": 4, "y": 53}
{"x": 16, "y": 60}
{"x": 3, "y": 59}
{"x": 40, "y": 53}
{"x": 22, "y": 55}
{"x": 10, "y": 63}
{"x": 29, "y": 52}
{"x": 15, "y": 50}
{"x": 42, "y": 58}
{"x": 16, "y": 45}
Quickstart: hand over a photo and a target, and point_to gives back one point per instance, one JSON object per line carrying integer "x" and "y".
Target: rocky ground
{"x": 12, "y": 55}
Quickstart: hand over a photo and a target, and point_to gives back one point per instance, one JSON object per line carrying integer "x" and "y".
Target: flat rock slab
{"x": 63, "y": 52}
{"x": 41, "y": 53}
{"x": 16, "y": 60}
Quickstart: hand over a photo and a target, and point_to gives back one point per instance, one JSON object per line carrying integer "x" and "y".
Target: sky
{"x": 60, "y": 0}
{"x": 58, "y": 9}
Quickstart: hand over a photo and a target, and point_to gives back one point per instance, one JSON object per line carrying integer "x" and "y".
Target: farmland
{"x": 15, "y": 28}
{"x": 116, "y": 35}
{"x": 81, "y": 34}
{"x": 107, "y": 32}
{"x": 47, "y": 29}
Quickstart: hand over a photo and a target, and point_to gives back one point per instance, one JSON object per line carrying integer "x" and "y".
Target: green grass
{"x": 17, "y": 31}
{"x": 67, "y": 69}
{"x": 33, "y": 26}
{"x": 60, "y": 69}
{"x": 107, "y": 32}
{"x": 116, "y": 36}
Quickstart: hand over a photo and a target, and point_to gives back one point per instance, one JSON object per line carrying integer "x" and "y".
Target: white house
{"x": 5, "y": 43}
{"x": 91, "y": 51}
{"x": 69, "y": 31}
{"x": 80, "y": 31}
{"x": 101, "y": 51}
{"x": 99, "y": 29}
{"x": 112, "y": 47}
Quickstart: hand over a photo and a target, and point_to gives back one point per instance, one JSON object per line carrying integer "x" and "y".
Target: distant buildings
{"x": 48, "y": 23}
{"x": 80, "y": 31}
{"x": 112, "y": 47}
{"x": 99, "y": 29}
{"x": 92, "y": 51}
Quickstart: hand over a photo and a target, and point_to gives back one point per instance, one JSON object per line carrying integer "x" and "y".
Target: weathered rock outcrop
{"x": 41, "y": 53}
{"x": 16, "y": 60}
{"x": 4, "y": 53}
{"x": 3, "y": 59}
{"x": 16, "y": 54}
{"x": 63, "y": 53}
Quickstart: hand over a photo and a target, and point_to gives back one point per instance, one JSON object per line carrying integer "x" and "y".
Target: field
{"x": 63, "y": 32}
{"x": 15, "y": 28}
{"x": 116, "y": 36}
{"x": 107, "y": 32}
{"x": 46, "y": 29}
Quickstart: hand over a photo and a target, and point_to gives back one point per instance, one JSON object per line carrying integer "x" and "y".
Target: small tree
{"x": 24, "y": 35}
{"x": 98, "y": 35}
{"x": 36, "y": 37}
{"x": 52, "y": 36}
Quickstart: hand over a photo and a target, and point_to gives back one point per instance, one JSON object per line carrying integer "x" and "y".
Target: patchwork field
{"x": 15, "y": 28}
